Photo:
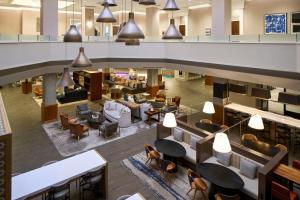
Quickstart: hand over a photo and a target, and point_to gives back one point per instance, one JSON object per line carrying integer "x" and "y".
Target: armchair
{"x": 160, "y": 96}
{"x": 109, "y": 130}
{"x": 82, "y": 111}
{"x": 139, "y": 98}
{"x": 176, "y": 100}
{"x": 78, "y": 130}
{"x": 168, "y": 109}
{"x": 38, "y": 91}
{"x": 65, "y": 120}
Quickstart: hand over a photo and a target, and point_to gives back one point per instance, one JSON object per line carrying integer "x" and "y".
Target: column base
{"x": 209, "y": 80}
{"x": 152, "y": 90}
{"x": 49, "y": 112}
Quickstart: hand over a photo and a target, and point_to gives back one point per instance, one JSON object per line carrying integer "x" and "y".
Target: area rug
{"x": 68, "y": 146}
{"x": 39, "y": 102}
{"x": 162, "y": 189}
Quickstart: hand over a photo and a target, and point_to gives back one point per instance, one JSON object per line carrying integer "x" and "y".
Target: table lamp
{"x": 170, "y": 120}
{"x": 256, "y": 122}
{"x": 208, "y": 107}
{"x": 221, "y": 143}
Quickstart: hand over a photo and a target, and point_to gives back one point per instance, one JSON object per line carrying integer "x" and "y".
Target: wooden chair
{"x": 166, "y": 169}
{"x": 206, "y": 121}
{"x": 281, "y": 147}
{"x": 160, "y": 96}
{"x": 38, "y": 91}
{"x": 249, "y": 137}
{"x": 78, "y": 129}
{"x": 196, "y": 183}
{"x": 281, "y": 192}
{"x": 227, "y": 197}
{"x": 176, "y": 100}
{"x": 151, "y": 154}
{"x": 65, "y": 120}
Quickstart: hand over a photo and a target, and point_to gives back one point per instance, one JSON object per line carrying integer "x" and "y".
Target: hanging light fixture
{"x": 106, "y": 15}
{"x": 208, "y": 108}
{"x": 171, "y": 5}
{"x": 147, "y": 2}
{"x": 72, "y": 35}
{"x": 172, "y": 32}
{"x": 65, "y": 79}
{"x": 256, "y": 122}
{"x": 109, "y": 2}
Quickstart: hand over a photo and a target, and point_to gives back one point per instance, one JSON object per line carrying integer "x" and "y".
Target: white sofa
{"x": 190, "y": 153}
{"x": 117, "y": 112}
{"x": 144, "y": 107}
{"x": 250, "y": 185}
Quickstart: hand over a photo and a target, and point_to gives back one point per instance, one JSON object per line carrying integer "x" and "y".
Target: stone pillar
{"x": 49, "y": 106}
{"x": 152, "y": 22}
{"x": 88, "y": 21}
{"x": 221, "y": 17}
{"x": 49, "y": 18}
{"x": 220, "y": 96}
{"x": 106, "y": 74}
{"x": 152, "y": 82}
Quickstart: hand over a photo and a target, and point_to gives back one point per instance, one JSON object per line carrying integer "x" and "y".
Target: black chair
{"x": 90, "y": 182}
{"x": 82, "y": 111}
{"x": 109, "y": 130}
{"x": 59, "y": 191}
{"x": 167, "y": 168}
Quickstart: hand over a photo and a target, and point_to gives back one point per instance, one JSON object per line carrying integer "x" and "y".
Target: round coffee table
{"x": 171, "y": 150}
{"x": 93, "y": 121}
{"x": 222, "y": 179}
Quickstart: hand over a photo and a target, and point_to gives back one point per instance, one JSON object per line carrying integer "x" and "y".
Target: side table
{"x": 150, "y": 114}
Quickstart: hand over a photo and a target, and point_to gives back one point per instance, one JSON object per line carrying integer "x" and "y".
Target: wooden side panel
{"x": 209, "y": 80}
{"x": 162, "y": 132}
{"x": 204, "y": 148}
{"x": 49, "y": 112}
{"x": 218, "y": 117}
{"x": 95, "y": 86}
{"x": 5, "y": 168}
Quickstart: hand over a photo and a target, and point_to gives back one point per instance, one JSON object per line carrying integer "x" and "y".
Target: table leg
{"x": 212, "y": 191}
{"x": 158, "y": 117}
{"x": 149, "y": 120}
{"x": 174, "y": 160}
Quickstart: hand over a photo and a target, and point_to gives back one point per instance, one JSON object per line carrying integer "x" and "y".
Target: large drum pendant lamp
{"x": 131, "y": 30}
{"x": 65, "y": 80}
{"x": 172, "y": 32}
{"x": 109, "y": 2}
{"x": 72, "y": 35}
{"x": 106, "y": 15}
{"x": 147, "y": 2}
{"x": 81, "y": 60}
{"x": 171, "y": 5}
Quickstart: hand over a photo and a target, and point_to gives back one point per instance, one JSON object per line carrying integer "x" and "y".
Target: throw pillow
{"x": 224, "y": 158}
{"x": 178, "y": 134}
{"x": 248, "y": 168}
{"x": 194, "y": 140}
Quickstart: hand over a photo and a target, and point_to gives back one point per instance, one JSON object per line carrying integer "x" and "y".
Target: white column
{"x": 49, "y": 89}
{"x": 221, "y": 17}
{"x": 152, "y": 79}
{"x": 152, "y": 22}
{"x": 49, "y": 18}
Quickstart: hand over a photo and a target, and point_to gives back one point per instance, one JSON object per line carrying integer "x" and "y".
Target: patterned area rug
{"x": 162, "y": 189}
{"x": 67, "y": 145}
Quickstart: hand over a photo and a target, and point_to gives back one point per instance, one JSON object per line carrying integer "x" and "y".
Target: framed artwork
{"x": 275, "y": 23}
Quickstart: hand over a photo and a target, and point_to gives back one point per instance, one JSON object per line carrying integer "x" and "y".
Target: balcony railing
{"x": 287, "y": 38}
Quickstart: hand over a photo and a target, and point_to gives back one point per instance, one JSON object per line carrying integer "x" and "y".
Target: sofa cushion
{"x": 194, "y": 140}
{"x": 178, "y": 134}
{"x": 114, "y": 114}
{"x": 224, "y": 158}
{"x": 248, "y": 168}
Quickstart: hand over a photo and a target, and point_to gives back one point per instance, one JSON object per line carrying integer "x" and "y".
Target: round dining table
{"x": 222, "y": 179}
{"x": 171, "y": 150}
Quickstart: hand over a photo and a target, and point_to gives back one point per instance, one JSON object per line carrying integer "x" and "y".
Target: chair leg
{"x": 203, "y": 194}
{"x": 77, "y": 138}
{"x": 195, "y": 193}
{"x": 189, "y": 190}
{"x": 147, "y": 160}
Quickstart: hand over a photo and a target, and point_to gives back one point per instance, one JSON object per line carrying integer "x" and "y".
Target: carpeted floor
{"x": 68, "y": 146}
{"x": 161, "y": 187}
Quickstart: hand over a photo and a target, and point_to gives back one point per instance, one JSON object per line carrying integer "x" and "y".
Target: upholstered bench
{"x": 187, "y": 140}
{"x": 251, "y": 183}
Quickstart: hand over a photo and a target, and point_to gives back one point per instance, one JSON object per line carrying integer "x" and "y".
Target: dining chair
{"x": 281, "y": 147}
{"x": 59, "y": 191}
{"x": 90, "y": 182}
{"x": 166, "y": 169}
{"x": 249, "y": 137}
{"x": 281, "y": 192}
{"x": 220, "y": 196}
{"x": 206, "y": 121}
{"x": 151, "y": 154}
{"x": 196, "y": 184}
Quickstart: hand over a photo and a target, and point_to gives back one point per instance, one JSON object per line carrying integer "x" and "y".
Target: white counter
{"x": 136, "y": 196}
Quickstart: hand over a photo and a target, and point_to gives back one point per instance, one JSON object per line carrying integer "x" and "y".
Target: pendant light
{"x": 171, "y": 5}
{"x": 81, "y": 60}
{"x": 119, "y": 30}
{"x": 109, "y": 2}
{"x": 65, "y": 80}
{"x": 147, "y": 2}
{"x": 106, "y": 15}
{"x": 72, "y": 35}
{"x": 172, "y": 32}
{"x": 131, "y": 30}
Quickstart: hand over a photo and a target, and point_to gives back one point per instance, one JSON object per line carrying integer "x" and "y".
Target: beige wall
{"x": 199, "y": 19}
{"x": 10, "y": 22}
{"x": 29, "y": 22}
{"x": 255, "y": 10}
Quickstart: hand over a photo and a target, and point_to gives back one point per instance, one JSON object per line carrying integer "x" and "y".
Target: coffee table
{"x": 212, "y": 128}
{"x": 150, "y": 113}
{"x": 94, "y": 121}
{"x": 171, "y": 150}
{"x": 222, "y": 179}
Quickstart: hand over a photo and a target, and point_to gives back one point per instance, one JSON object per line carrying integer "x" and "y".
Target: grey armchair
{"x": 168, "y": 109}
{"x": 82, "y": 111}
{"x": 138, "y": 98}
{"x": 109, "y": 130}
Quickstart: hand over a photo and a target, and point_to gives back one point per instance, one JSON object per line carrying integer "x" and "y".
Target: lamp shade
{"x": 119, "y": 30}
{"x": 169, "y": 120}
{"x": 256, "y": 122}
{"x": 72, "y": 35}
{"x": 131, "y": 30}
{"x": 65, "y": 79}
{"x": 208, "y": 107}
{"x": 171, "y": 5}
{"x": 147, "y": 2}
{"x": 109, "y": 2}
{"x": 81, "y": 60}
{"x": 106, "y": 15}
{"x": 172, "y": 32}
{"x": 221, "y": 143}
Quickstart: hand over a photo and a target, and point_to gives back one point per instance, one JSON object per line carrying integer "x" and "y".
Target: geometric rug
{"x": 68, "y": 146}
{"x": 176, "y": 188}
